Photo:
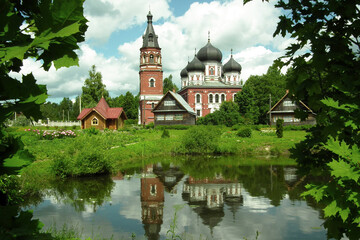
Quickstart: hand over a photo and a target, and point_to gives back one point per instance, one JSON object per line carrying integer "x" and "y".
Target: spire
{"x": 231, "y": 50}
{"x": 208, "y": 36}
{"x": 150, "y": 38}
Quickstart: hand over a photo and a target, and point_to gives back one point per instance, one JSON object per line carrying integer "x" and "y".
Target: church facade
{"x": 205, "y": 81}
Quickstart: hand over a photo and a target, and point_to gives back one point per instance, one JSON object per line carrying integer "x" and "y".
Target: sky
{"x": 114, "y": 37}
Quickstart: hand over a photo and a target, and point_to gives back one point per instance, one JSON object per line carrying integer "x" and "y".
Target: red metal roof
{"x": 104, "y": 110}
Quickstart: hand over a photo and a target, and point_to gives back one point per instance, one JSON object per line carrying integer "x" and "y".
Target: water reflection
{"x": 222, "y": 201}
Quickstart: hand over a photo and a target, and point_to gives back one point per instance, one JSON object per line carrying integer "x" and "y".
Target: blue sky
{"x": 114, "y": 36}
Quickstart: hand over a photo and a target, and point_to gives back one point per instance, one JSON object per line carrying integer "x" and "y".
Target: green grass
{"x": 126, "y": 149}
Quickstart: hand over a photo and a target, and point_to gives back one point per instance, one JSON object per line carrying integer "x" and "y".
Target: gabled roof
{"x": 179, "y": 99}
{"x": 103, "y": 109}
{"x": 286, "y": 94}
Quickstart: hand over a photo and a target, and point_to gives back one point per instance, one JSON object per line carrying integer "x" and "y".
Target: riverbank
{"x": 89, "y": 153}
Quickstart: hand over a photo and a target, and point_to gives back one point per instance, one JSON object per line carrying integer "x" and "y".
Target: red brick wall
{"x": 190, "y": 93}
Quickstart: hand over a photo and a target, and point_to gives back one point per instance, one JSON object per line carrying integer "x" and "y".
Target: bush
{"x": 174, "y": 127}
{"x": 131, "y": 121}
{"x": 150, "y": 125}
{"x": 201, "y": 139}
{"x": 297, "y": 127}
{"x": 279, "y": 128}
{"x": 165, "y": 134}
{"x": 244, "y": 132}
{"x": 92, "y": 131}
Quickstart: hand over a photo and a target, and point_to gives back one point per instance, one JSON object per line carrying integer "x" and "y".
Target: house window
{"x": 160, "y": 117}
{"x": 151, "y": 58}
{"x": 152, "y": 105}
{"x": 198, "y": 113}
{"x": 198, "y": 98}
{"x": 288, "y": 104}
{"x": 222, "y": 97}
{"x": 169, "y": 117}
{"x": 94, "y": 121}
{"x": 151, "y": 83}
{"x": 210, "y": 98}
{"x": 288, "y": 119}
{"x": 169, "y": 103}
{"x": 178, "y": 117}
{"x": 216, "y": 98}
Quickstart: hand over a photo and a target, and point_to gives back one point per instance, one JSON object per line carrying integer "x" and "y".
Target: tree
{"x": 253, "y": 100}
{"x": 227, "y": 115}
{"x": 48, "y": 31}
{"x": 129, "y": 103}
{"x": 325, "y": 58}
{"x": 168, "y": 85}
{"x": 93, "y": 89}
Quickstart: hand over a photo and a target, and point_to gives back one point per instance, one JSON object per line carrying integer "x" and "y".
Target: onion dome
{"x": 195, "y": 66}
{"x": 184, "y": 73}
{"x": 232, "y": 66}
{"x": 209, "y": 52}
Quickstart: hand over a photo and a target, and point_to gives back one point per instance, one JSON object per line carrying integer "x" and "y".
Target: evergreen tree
{"x": 93, "y": 89}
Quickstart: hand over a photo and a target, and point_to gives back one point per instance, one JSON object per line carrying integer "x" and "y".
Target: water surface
{"x": 212, "y": 200}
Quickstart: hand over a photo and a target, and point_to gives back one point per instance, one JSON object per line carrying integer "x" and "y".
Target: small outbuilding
{"x": 102, "y": 116}
{"x": 285, "y": 109}
{"x": 172, "y": 109}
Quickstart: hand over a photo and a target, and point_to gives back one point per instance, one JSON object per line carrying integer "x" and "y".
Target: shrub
{"x": 131, "y": 121}
{"x": 279, "y": 128}
{"x": 150, "y": 125}
{"x": 92, "y": 131}
{"x": 201, "y": 139}
{"x": 244, "y": 132}
{"x": 165, "y": 134}
{"x": 174, "y": 127}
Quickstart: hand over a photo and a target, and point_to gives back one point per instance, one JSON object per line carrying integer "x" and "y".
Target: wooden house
{"x": 285, "y": 109}
{"x": 102, "y": 116}
{"x": 172, "y": 109}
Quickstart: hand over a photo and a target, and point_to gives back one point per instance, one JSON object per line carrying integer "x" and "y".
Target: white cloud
{"x": 108, "y": 16}
{"x": 246, "y": 29}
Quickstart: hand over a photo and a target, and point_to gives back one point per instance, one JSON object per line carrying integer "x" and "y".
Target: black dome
{"x": 184, "y": 73}
{"x": 232, "y": 66}
{"x": 195, "y": 65}
{"x": 209, "y": 52}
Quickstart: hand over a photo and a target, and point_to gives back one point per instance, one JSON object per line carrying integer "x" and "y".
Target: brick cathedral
{"x": 205, "y": 81}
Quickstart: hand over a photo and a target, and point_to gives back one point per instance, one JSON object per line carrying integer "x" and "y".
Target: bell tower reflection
{"x": 152, "y": 203}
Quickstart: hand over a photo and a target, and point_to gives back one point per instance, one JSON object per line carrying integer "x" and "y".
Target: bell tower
{"x": 151, "y": 74}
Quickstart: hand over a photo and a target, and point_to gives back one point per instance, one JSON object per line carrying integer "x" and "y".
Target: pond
{"x": 209, "y": 199}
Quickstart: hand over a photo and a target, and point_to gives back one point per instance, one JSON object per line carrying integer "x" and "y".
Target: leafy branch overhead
{"x": 48, "y": 31}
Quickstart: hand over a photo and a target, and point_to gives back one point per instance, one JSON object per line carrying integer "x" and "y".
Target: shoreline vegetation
{"x": 92, "y": 152}
{"x": 48, "y": 155}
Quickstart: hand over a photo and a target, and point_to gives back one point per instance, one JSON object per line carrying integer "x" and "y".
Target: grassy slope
{"x": 133, "y": 148}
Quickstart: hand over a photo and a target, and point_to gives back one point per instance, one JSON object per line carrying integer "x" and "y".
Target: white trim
{"x": 97, "y": 121}
{"x": 154, "y": 81}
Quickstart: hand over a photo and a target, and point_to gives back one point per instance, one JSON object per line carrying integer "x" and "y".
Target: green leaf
{"x": 341, "y": 169}
{"x": 332, "y": 209}
{"x": 317, "y": 192}
{"x": 339, "y": 148}
{"x": 344, "y": 214}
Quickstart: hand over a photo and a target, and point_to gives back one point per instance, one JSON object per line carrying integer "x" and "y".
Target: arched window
{"x": 94, "y": 121}
{"x": 216, "y": 98}
{"x": 152, "y": 105}
{"x": 151, "y": 83}
{"x": 210, "y": 98}
{"x": 212, "y": 72}
{"x": 222, "y": 97}
{"x": 198, "y": 98}
{"x": 151, "y": 58}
